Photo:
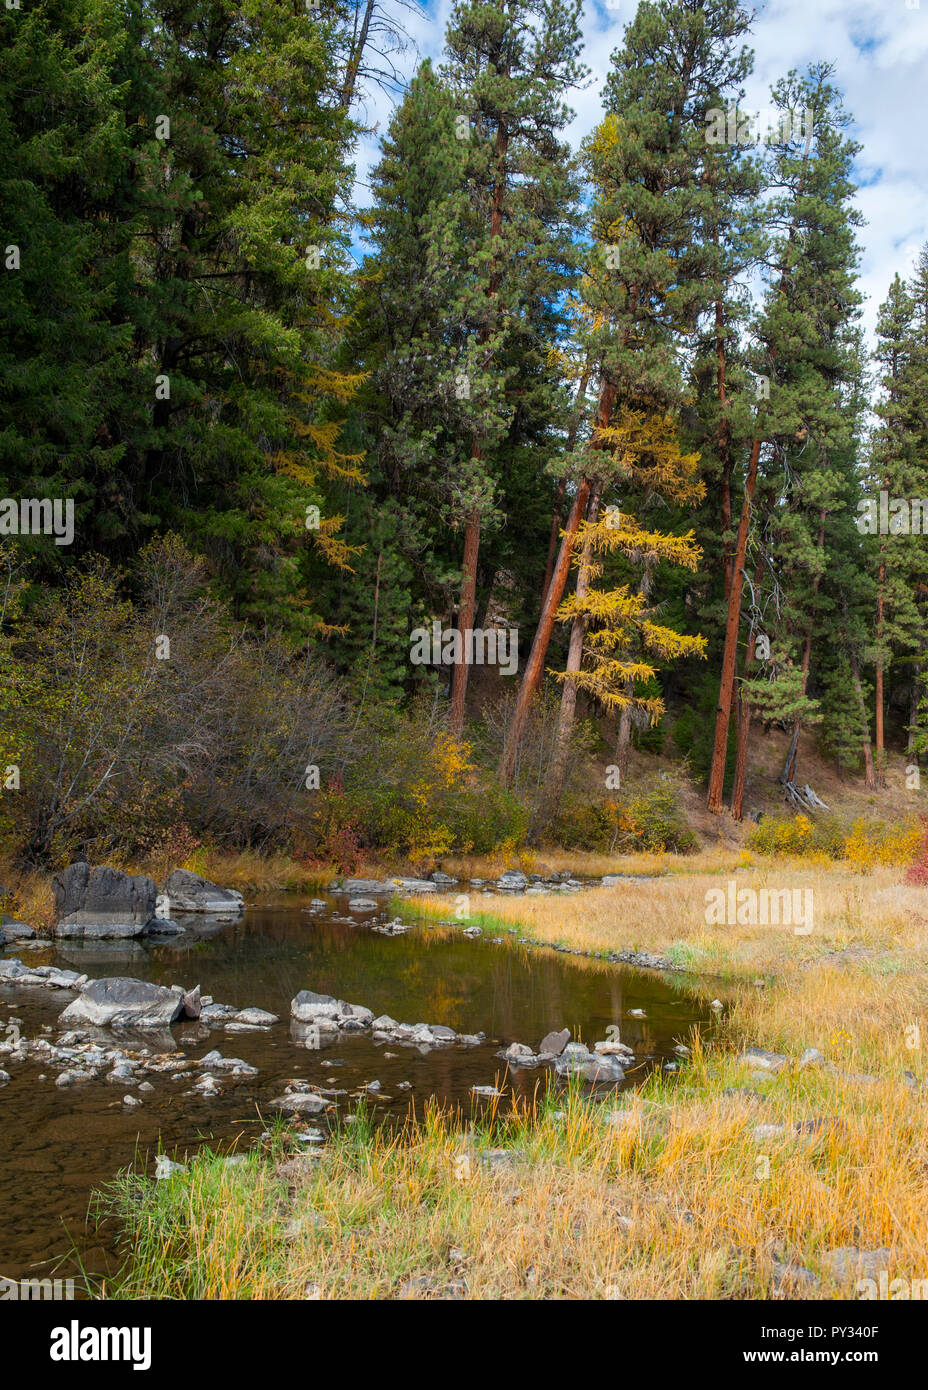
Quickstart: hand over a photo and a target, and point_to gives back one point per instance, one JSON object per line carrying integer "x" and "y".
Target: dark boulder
{"x": 102, "y": 902}
{"x": 188, "y": 892}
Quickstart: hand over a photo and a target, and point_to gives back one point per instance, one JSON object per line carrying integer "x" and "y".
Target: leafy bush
{"x": 865, "y": 844}
{"x": 918, "y": 869}
{"x": 650, "y": 820}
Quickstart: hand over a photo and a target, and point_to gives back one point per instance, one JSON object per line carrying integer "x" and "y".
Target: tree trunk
{"x": 562, "y": 485}
{"x": 624, "y": 737}
{"x": 878, "y": 695}
{"x": 465, "y": 623}
{"x": 744, "y": 716}
{"x": 730, "y": 653}
{"x": 354, "y": 62}
{"x": 867, "y": 751}
{"x": 557, "y": 771}
{"x": 555, "y": 532}
{"x": 914, "y": 702}
{"x": 723, "y": 441}
{"x": 789, "y": 770}
{"x": 531, "y": 678}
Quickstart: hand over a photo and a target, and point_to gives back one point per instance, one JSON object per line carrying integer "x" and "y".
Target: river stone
{"x": 513, "y": 880}
{"x": 850, "y": 1262}
{"x": 16, "y": 931}
{"x": 362, "y": 905}
{"x": 123, "y": 1003}
{"x": 166, "y": 1167}
{"x": 554, "y": 1043}
{"x": 102, "y": 902}
{"x": 366, "y": 885}
{"x": 414, "y": 885}
{"x": 383, "y": 1023}
{"x": 192, "y": 1004}
{"x": 309, "y": 1007}
{"x": 302, "y": 1103}
{"x": 603, "y": 1069}
{"x": 188, "y": 892}
{"x": 258, "y": 1018}
{"x": 163, "y": 926}
{"x": 764, "y": 1060}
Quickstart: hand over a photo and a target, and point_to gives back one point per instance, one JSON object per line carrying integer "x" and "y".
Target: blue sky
{"x": 880, "y": 52}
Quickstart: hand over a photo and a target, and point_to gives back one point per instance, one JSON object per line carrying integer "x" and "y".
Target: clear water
{"x": 58, "y": 1144}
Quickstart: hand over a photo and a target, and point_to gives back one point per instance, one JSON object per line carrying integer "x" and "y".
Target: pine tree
{"x": 65, "y": 262}
{"x": 242, "y": 155}
{"x": 653, "y": 273}
{"x": 898, "y": 473}
{"x": 509, "y": 228}
{"x": 807, "y": 349}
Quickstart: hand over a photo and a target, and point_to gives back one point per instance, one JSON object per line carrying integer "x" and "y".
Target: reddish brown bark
{"x": 562, "y": 485}
{"x": 557, "y": 771}
{"x": 555, "y": 532}
{"x": 789, "y": 770}
{"x": 744, "y": 716}
{"x": 531, "y": 678}
{"x": 878, "y": 695}
{"x": 730, "y": 653}
{"x": 724, "y": 441}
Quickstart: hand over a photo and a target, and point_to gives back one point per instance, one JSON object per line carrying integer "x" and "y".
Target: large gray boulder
{"x": 102, "y": 902}
{"x": 188, "y": 892}
{"x": 324, "y": 1009}
{"x": 17, "y": 931}
{"x": 119, "y": 1002}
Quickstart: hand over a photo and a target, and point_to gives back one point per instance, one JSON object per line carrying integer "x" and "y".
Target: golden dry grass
{"x": 29, "y": 897}
{"x": 684, "y": 1198}
{"x": 679, "y": 1200}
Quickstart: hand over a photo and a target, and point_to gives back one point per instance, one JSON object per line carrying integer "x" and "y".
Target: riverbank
{"x": 796, "y": 1170}
{"x": 722, "y": 1184}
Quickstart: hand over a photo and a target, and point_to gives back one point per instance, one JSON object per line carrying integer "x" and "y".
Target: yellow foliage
{"x": 893, "y": 845}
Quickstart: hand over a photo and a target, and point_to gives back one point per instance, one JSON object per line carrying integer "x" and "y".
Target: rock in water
{"x": 17, "y": 931}
{"x": 554, "y": 1043}
{"x": 119, "y": 1002}
{"x": 102, "y": 902}
{"x": 188, "y": 892}
{"x": 309, "y": 1007}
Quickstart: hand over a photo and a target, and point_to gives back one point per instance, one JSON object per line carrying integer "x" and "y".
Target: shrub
{"x": 650, "y": 820}
{"x": 918, "y": 869}
{"x": 864, "y": 844}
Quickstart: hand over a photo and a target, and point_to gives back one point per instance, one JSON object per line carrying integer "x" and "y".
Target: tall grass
{"x": 677, "y": 1200}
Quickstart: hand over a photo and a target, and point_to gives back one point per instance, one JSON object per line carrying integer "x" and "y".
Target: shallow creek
{"x": 57, "y": 1144}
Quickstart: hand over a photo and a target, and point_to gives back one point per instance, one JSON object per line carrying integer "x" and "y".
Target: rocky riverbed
{"x": 110, "y": 1048}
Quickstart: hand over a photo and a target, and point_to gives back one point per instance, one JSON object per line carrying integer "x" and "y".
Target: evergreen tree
{"x": 807, "y": 350}
{"x": 65, "y": 272}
